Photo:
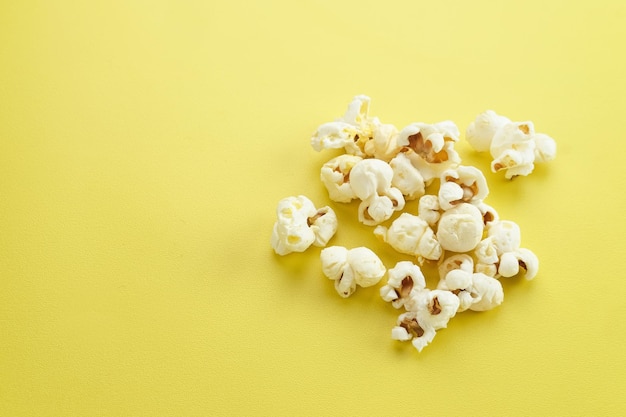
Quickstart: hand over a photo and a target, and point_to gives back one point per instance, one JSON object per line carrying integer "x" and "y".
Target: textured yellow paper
{"x": 144, "y": 147}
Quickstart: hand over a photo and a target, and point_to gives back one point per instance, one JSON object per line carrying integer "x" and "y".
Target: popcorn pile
{"x": 384, "y": 167}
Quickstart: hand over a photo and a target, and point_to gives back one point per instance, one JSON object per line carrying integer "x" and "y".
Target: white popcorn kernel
{"x": 324, "y": 225}
{"x": 459, "y": 282}
{"x": 436, "y": 308}
{"x": 411, "y": 235}
{"x": 406, "y": 177}
{"x": 528, "y": 261}
{"x": 335, "y": 175}
{"x": 384, "y": 145}
{"x": 480, "y": 132}
{"x": 487, "y": 292}
{"x": 489, "y": 213}
{"x": 505, "y": 236}
{"x": 403, "y": 281}
{"x": 371, "y": 182}
{"x": 545, "y": 148}
{"x": 368, "y": 268}
{"x": 459, "y": 261}
{"x": 431, "y": 147}
{"x": 351, "y": 267}
{"x": 409, "y": 328}
{"x": 487, "y": 257}
{"x": 460, "y": 229}
{"x": 450, "y": 194}
{"x": 509, "y": 266}
{"x": 514, "y": 149}
{"x": 299, "y": 225}
{"x": 428, "y": 209}
{"x": 333, "y": 135}
{"x": 470, "y": 186}
{"x": 357, "y": 112}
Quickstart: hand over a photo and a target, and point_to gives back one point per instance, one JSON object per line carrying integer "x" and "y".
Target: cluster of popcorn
{"x": 514, "y": 146}
{"x": 384, "y": 167}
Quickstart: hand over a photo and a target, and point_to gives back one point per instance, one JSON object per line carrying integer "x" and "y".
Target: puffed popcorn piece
{"x": 460, "y": 261}
{"x": 406, "y": 177}
{"x": 460, "y": 229}
{"x": 480, "y": 132}
{"x": 545, "y": 147}
{"x": 299, "y": 225}
{"x": 512, "y": 262}
{"x": 384, "y": 144}
{"x": 459, "y": 282}
{"x": 403, "y": 282}
{"x": 349, "y": 268}
{"x": 334, "y": 135}
{"x": 489, "y": 213}
{"x": 436, "y": 307}
{"x": 463, "y": 184}
{"x": 335, "y": 175}
{"x": 505, "y": 236}
{"x": 428, "y": 209}
{"x": 411, "y": 235}
{"x": 487, "y": 292}
{"x": 431, "y": 147}
{"x": 371, "y": 181}
{"x": 408, "y": 328}
{"x": 487, "y": 257}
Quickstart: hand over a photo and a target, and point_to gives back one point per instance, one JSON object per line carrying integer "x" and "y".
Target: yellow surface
{"x": 143, "y": 149}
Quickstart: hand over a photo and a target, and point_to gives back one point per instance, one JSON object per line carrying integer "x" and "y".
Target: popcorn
{"x": 411, "y": 235}
{"x": 403, "y": 282}
{"x": 460, "y": 228}
{"x": 431, "y": 311}
{"x": 384, "y": 168}
{"x": 349, "y": 268}
{"x": 480, "y": 132}
{"x": 371, "y": 182}
{"x": 431, "y": 147}
{"x": 408, "y": 328}
{"x": 514, "y": 146}
{"x": 487, "y": 292}
{"x": 334, "y": 135}
{"x": 300, "y": 225}
{"x": 335, "y": 176}
{"x": 462, "y": 184}
{"x": 428, "y": 209}
{"x": 406, "y": 177}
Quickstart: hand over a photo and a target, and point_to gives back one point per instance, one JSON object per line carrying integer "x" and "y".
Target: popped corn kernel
{"x": 334, "y": 135}
{"x": 459, "y": 282}
{"x": 459, "y": 261}
{"x": 411, "y": 235}
{"x": 349, "y": 268}
{"x": 431, "y": 147}
{"x": 335, "y": 175}
{"x": 436, "y": 307}
{"x": 460, "y": 229}
{"x": 462, "y": 184}
{"x": 487, "y": 292}
{"x": 489, "y": 213}
{"x": 521, "y": 258}
{"x": 505, "y": 236}
{"x": 371, "y": 181}
{"x": 299, "y": 225}
{"x": 513, "y": 149}
{"x": 403, "y": 281}
{"x": 480, "y": 132}
{"x": 428, "y": 209}
{"x": 408, "y": 328}
{"x": 384, "y": 143}
{"x": 406, "y": 177}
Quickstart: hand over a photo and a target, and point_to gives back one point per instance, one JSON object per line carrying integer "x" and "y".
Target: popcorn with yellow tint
{"x": 403, "y": 282}
{"x": 411, "y": 235}
{"x": 299, "y": 225}
{"x": 349, "y": 268}
{"x": 371, "y": 181}
{"x": 335, "y": 175}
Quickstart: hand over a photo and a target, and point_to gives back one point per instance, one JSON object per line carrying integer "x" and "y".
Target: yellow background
{"x": 144, "y": 146}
